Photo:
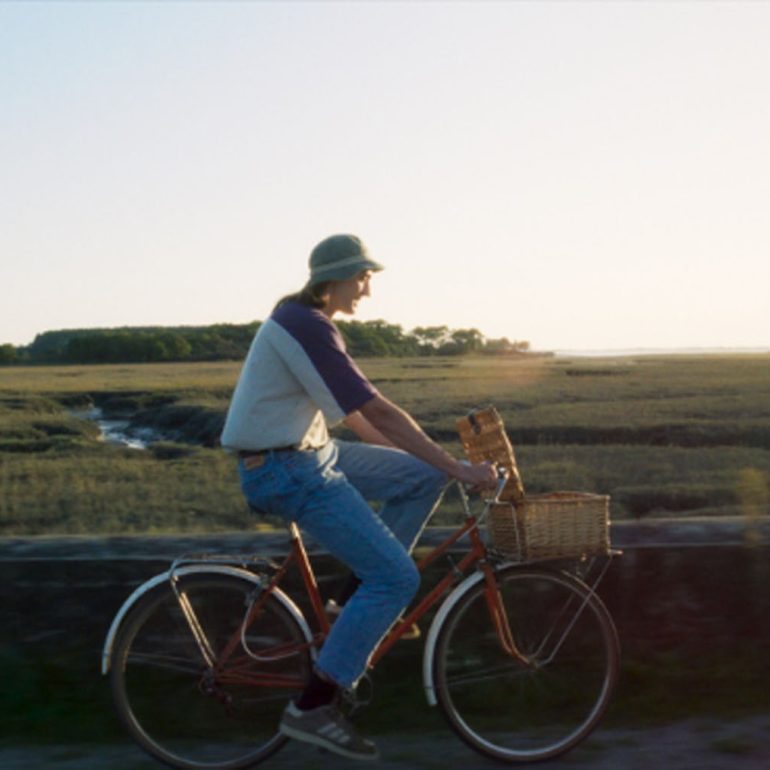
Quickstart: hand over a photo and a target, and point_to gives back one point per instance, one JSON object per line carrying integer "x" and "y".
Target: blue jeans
{"x": 325, "y": 492}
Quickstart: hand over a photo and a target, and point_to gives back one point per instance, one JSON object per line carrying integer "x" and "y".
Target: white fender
{"x": 438, "y": 621}
{"x": 191, "y": 569}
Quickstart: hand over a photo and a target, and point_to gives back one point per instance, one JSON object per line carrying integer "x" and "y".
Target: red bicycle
{"x": 522, "y": 658}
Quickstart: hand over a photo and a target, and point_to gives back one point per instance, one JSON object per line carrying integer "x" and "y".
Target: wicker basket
{"x": 551, "y": 526}
{"x": 484, "y": 438}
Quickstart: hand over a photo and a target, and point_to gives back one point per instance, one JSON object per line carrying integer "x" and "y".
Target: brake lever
{"x": 502, "y": 479}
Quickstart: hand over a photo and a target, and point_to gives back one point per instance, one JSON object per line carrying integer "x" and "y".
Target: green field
{"x": 664, "y": 436}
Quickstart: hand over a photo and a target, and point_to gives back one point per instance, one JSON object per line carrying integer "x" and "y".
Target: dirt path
{"x": 695, "y": 745}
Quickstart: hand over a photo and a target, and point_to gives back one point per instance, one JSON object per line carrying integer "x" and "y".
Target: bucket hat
{"x": 338, "y": 258}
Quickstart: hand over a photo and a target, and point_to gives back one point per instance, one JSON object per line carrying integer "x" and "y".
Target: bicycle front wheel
{"x": 193, "y": 715}
{"x": 524, "y": 712}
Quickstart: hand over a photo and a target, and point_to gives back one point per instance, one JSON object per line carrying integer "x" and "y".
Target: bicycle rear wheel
{"x": 186, "y": 713}
{"x": 515, "y": 712}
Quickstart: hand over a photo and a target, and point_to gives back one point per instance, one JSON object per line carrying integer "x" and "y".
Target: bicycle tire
{"x": 169, "y": 700}
{"x": 516, "y": 713}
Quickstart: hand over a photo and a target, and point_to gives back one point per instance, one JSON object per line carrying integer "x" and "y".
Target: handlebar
{"x": 502, "y": 478}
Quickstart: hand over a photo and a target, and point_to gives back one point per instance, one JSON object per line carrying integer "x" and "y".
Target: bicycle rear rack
{"x": 248, "y": 561}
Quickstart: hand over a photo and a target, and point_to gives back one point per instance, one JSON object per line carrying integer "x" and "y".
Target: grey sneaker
{"x": 326, "y": 726}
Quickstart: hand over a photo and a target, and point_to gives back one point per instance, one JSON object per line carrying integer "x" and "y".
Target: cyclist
{"x": 297, "y": 379}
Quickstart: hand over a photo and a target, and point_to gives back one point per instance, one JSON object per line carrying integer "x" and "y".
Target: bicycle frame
{"x": 234, "y": 662}
{"x": 477, "y": 555}
{"x": 222, "y": 664}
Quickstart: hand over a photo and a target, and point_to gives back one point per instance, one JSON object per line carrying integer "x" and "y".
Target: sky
{"x": 580, "y": 175}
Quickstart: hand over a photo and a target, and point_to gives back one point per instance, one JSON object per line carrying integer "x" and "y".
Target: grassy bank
{"x": 662, "y": 435}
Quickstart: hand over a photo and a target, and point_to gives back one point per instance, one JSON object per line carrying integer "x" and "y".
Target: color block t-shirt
{"x": 297, "y": 378}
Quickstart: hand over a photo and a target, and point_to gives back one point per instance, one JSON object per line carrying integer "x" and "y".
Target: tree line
{"x": 221, "y": 342}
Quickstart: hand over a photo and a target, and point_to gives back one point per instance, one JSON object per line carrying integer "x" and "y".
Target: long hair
{"x": 311, "y": 296}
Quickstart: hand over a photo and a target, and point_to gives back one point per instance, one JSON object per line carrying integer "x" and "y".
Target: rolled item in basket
{"x": 483, "y": 437}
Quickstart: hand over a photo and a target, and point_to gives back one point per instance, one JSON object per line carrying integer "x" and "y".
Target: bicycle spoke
{"x": 479, "y": 675}
{"x": 164, "y": 661}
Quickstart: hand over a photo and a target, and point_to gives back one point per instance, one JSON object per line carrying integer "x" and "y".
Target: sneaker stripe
{"x": 328, "y": 729}
{"x": 334, "y": 733}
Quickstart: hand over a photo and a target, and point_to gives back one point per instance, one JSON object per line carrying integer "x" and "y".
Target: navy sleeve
{"x": 324, "y": 346}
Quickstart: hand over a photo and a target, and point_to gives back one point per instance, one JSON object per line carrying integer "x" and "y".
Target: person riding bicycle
{"x": 298, "y": 379}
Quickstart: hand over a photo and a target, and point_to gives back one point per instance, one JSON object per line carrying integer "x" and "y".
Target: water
{"x": 629, "y": 352}
{"x": 119, "y": 432}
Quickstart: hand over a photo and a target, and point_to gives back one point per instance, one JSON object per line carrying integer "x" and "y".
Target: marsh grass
{"x": 103, "y": 490}
{"x": 663, "y": 436}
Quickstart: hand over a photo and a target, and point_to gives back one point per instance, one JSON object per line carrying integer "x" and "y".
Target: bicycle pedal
{"x": 412, "y": 633}
{"x": 356, "y": 698}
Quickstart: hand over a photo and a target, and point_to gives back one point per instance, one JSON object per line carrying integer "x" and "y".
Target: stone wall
{"x": 690, "y": 599}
